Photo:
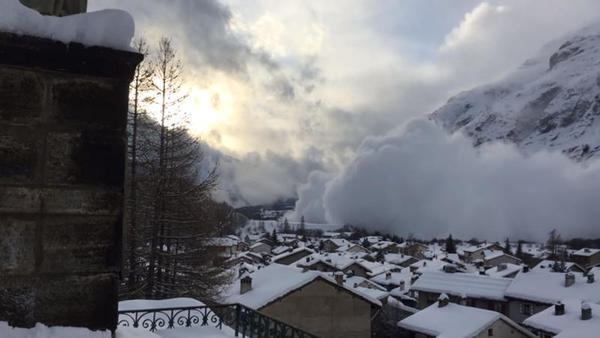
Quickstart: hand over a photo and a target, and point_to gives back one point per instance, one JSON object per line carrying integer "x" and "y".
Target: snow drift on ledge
{"x": 106, "y": 28}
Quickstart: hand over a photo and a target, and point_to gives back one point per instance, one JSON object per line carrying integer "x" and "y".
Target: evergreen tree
{"x": 450, "y": 245}
{"x": 519, "y": 253}
{"x": 507, "y": 248}
{"x": 286, "y": 226}
{"x": 365, "y": 243}
{"x": 274, "y": 237}
{"x": 380, "y": 257}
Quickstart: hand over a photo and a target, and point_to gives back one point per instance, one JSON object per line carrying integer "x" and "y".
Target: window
{"x": 526, "y": 309}
{"x": 490, "y": 332}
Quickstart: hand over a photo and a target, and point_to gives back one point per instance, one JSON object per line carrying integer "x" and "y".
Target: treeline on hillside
{"x": 169, "y": 211}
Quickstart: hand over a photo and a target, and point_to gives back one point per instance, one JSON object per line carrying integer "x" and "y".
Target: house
{"x": 281, "y": 249}
{"x": 392, "y": 280}
{"x": 474, "y": 290}
{"x": 353, "y": 248}
{"x": 492, "y": 258}
{"x": 554, "y": 266}
{"x": 309, "y": 300}
{"x": 293, "y": 256}
{"x": 385, "y": 247}
{"x": 586, "y": 257}
{"x": 332, "y": 244}
{"x": 565, "y": 319}
{"x": 473, "y": 253}
{"x": 533, "y": 291}
{"x": 504, "y": 270}
{"x": 222, "y": 246}
{"x": 414, "y": 249}
{"x": 446, "y": 319}
{"x": 260, "y": 248}
{"x": 399, "y": 259}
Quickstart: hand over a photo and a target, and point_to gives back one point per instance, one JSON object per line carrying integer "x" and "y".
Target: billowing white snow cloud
{"x": 418, "y": 179}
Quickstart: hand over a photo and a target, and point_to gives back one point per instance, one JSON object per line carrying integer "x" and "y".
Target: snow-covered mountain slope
{"x": 551, "y": 102}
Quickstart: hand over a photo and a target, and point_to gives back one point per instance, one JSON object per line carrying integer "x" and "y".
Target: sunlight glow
{"x": 205, "y": 109}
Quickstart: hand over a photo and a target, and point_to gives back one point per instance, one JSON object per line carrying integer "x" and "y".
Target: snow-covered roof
{"x": 357, "y": 280}
{"x": 382, "y": 245}
{"x": 459, "y": 284}
{"x": 221, "y": 241}
{"x": 568, "y": 324}
{"x": 396, "y": 278}
{"x": 275, "y": 281}
{"x": 549, "y": 287}
{"x": 453, "y": 321}
{"x": 586, "y": 252}
{"x": 106, "y": 28}
{"x": 339, "y": 241}
{"x": 280, "y": 249}
{"x": 428, "y": 265}
{"x": 397, "y": 259}
{"x": 258, "y": 244}
{"x": 373, "y": 293}
{"x": 546, "y": 265}
{"x": 508, "y": 270}
{"x": 290, "y": 253}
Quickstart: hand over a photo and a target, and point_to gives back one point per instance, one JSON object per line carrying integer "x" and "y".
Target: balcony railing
{"x": 243, "y": 321}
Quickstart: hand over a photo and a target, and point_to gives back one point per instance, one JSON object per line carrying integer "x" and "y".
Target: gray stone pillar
{"x": 63, "y": 114}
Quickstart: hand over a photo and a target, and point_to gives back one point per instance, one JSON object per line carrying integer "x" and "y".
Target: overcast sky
{"x": 284, "y": 88}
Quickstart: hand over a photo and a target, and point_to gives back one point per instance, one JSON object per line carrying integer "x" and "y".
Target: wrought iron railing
{"x": 241, "y": 320}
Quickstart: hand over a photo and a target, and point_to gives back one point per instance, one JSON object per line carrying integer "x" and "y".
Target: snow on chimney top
{"x": 586, "y": 311}
{"x": 559, "y": 308}
{"x": 245, "y": 284}
{"x": 569, "y": 279}
{"x": 443, "y": 300}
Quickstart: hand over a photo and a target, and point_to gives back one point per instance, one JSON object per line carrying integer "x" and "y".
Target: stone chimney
{"x": 590, "y": 278}
{"x": 569, "y": 279}
{"x": 482, "y": 271}
{"x": 388, "y": 275}
{"x": 526, "y": 268}
{"x": 63, "y": 144}
{"x": 245, "y": 285}
{"x": 463, "y": 299}
{"x": 339, "y": 278}
{"x": 559, "y": 309}
{"x": 402, "y": 285}
{"x": 586, "y": 311}
{"x": 443, "y": 300}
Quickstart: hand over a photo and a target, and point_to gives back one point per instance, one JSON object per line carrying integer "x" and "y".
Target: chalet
{"x": 476, "y": 252}
{"x": 492, "y": 258}
{"x": 353, "y": 248}
{"x": 504, "y": 270}
{"x": 554, "y": 266}
{"x": 446, "y": 319}
{"x": 473, "y": 290}
{"x": 311, "y": 301}
{"x": 586, "y": 257}
{"x": 385, "y": 247}
{"x": 413, "y": 249}
{"x": 293, "y": 256}
{"x": 399, "y": 259}
{"x": 222, "y": 246}
{"x": 261, "y": 248}
{"x": 392, "y": 280}
{"x": 332, "y": 244}
{"x": 532, "y": 292}
{"x": 568, "y": 318}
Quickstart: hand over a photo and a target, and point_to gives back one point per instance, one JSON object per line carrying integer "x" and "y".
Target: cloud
{"x": 418, "y": 179}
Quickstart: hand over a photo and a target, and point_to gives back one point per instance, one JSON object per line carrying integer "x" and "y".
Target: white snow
{"x": 143, "y": 304}
{"x": 459, "y": 284}
{"x": 275, "y": 281}
{"x": 549, "y": 287}
{"x": 450, "y": 321}
{"x": 42, "y": 331}
{"x": 586, "y": 252}
{"x": 106, "y": 28}
{"x": 569, "y": 324}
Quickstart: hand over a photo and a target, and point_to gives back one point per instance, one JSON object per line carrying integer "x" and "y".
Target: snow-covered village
{"x": 299, "y": 168}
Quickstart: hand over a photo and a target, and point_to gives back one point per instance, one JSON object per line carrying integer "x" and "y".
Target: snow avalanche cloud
{"x": 420, "y": 180}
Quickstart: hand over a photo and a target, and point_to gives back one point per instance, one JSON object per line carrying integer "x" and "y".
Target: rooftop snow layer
{"x": 569, "y": 324}
{"x": 450, "y": 321}
{"x": 275, "y": 281}
{"x": 459, "y": 284}
{"x": 107, "y": 28}
{"x": 549, "y": 287}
